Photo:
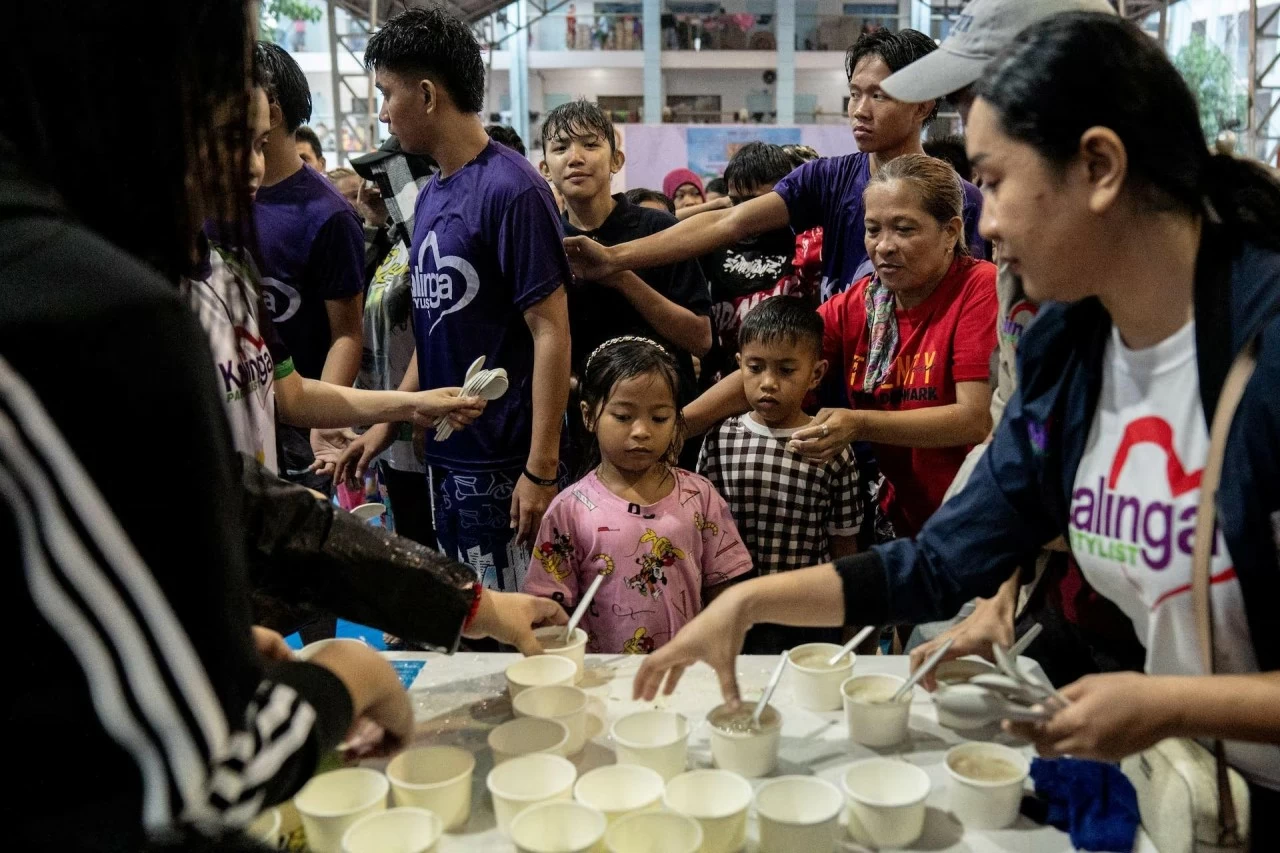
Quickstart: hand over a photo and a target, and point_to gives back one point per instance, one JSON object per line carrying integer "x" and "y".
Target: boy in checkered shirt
{"x": 792, "y": 512}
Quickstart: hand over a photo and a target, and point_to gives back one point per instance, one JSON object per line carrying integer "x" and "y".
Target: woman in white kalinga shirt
{"x": 1164, "y": 261}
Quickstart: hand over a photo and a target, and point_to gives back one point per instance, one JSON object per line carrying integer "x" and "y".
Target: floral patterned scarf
{"x": 882, "y": 326}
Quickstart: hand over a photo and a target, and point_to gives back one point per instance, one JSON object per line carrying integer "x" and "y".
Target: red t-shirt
{"x": 946, "y": 339}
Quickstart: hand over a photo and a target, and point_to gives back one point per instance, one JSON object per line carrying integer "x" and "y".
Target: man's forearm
{"x": 342, "y": 364}
{"x": 726, "y": 398}
{"x": 321, "y": 405}
{"x": 685, "y": 329}
{"x": 698, "y": 235}
{"x": 1234, "y": 707}
{"x": 943, "y": 426}
{"x": 551, "y": 363}
{"x": 812, "y": 597}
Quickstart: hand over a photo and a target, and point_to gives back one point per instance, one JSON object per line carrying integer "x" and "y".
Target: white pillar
{"x": 519, "y": 73}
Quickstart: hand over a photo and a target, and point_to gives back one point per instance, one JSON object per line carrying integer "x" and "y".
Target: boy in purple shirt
{"x": 487, "y": 273}
{"x": 826, "y": 192}
{"x": 310, "y": 251}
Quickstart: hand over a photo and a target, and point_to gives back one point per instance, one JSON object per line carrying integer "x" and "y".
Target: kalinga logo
{"x": 1124, "y": 528}
{"x": 255, "y": 370}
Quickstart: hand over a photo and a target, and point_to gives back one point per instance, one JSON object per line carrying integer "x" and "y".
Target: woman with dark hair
{"x": 1163, "y": 263}
{"x": 129, "y": 590}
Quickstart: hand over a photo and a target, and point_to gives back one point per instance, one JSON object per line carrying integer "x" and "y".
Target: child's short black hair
{"x": 428, "y": 40}
{"x": 578, "y": 120}
{"x": 307, "y": 135}
{"x": 951, "y": 149}
{"x": 640, "y": 194}
{"x": 757, "y": 164}
{"x": 717, "y": 185}
{"x": 897, "y": 49}
{"x": 507, "y": 136}
{"x": 285, "y": 83}
{"x": 784, "y": 319}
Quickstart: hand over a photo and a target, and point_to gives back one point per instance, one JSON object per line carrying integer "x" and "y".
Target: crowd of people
{"x": 803, "y": 396}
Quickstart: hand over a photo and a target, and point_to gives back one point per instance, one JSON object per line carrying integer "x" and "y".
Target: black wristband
{"x": 540, "y": 481}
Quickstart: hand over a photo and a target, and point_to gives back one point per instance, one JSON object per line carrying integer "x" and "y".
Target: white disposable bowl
{"x": 266, "y": 828}
{"x": 886, "y": 801}
{"x": 817, "y": 688}
{"x": 526, "y": 781}
{"x": 308, "y": 651}
{"x": 575, "y": 650}
{"x": 564, "y": 703}
{"x": 654, "y": 832}
{"x": 620, "y": 789}
{"x": 526, "y": 735}
{"x": 655, "y": 739}
{"x": 558, "y": 827}
{"x": 331, "y": 802}
{"x": 875, "y": 723}
{"x": 752, "y": 753}
{"x": 986, "y": 803}
{"x": 718, "y": 800}
{"x": 539, "y": 671}
{"x": 798, "y": 813}
{"x": 399, "y": 830}
{"x": 436, "y": 778}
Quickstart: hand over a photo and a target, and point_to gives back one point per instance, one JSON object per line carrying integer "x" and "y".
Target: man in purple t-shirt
{"x": 310, "y": 252}
{"x": 487, "y": 273}
{"x": 826, "y": 192}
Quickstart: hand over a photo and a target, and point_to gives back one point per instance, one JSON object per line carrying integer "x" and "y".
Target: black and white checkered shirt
{"x": 787, "y": 507}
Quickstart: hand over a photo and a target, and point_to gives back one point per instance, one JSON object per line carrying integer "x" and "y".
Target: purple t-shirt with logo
{"x": 487, "y": 246}
{"x": 310, "y": 249}
{"x": 828, "y": 193}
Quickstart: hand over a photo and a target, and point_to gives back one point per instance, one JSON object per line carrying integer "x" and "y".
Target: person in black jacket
{"x": 126, "y": 522}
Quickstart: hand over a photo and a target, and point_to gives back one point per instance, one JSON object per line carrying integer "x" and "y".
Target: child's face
{"x": 637, "y": 424}
{"x": 777, "y": 375}
{"x": 581, "y": 166}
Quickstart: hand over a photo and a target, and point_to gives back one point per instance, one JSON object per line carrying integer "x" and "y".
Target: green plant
{"x": 1208, "y": 73}
{"x": 274, "y": 12}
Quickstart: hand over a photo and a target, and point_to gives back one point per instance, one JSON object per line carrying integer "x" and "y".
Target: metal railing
{"x": 728, "y": 31}
{"x": 836, "y": 32}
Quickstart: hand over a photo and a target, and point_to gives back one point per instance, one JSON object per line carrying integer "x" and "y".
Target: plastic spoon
{"x": 487, "y": 384}
{"x": 1026, "y": 640}
{"x": 1009, "y": 666}
{"x": 581, "y": 609}
{"x": 981, "y": 706}
{"x": 925, "y": 668}
{"x": 851, "y": 645}
{"x": 768, "y": 692}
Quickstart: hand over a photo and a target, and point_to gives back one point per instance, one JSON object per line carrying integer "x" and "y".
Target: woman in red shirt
{"x": 909, "y": 346}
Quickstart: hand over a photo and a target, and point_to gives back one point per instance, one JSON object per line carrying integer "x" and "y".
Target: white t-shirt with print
{"x": 244, "y": 355}
{"x": 1133, "y": 517}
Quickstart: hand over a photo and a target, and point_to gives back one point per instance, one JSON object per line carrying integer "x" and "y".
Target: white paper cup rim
{"x": 810, "y": 670}
{"x": 299, "y": 801}
{"x": 527, "y": 722}
{"x": 806, "y": 780}
{"x": 601, "y": 822}
{"x": 437, "y": 825}
{"x": 635, "y": 744}
{"x": 600, "y": 773}
{"x": 770, "y": 721}
{"x": 868, "y": 676}
{"x": 399, "y": 781}
{"x": 864, "y": 799}
{"x": 705, "y": 814}
{"x": 532, "y": 663}
{"x": 622, "y": 824}
{"x": 1003, "y": 752}
{"x": 531, "y": 694}
{"x": 577, "y": 638}
{"x": 555, "y": 761}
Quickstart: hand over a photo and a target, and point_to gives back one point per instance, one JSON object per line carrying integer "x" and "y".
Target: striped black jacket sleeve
{"x": 200, "y": 760}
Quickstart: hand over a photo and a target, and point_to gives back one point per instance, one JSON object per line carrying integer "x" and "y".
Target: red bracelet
{"x": 477, "y": 589}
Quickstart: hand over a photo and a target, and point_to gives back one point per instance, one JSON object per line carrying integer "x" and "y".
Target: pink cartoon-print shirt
{"x": 656, "y": 559}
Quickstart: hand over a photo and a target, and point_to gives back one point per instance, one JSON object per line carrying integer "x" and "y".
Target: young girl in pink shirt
{"x": 662, "y": 537}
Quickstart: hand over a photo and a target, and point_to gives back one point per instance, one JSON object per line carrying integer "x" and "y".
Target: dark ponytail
{"x": 1074, "y": 71}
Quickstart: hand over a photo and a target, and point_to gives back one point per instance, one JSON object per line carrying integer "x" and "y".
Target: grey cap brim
{"x": 934, "y": 76}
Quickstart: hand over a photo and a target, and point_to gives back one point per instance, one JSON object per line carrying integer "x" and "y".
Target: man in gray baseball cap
{"x": 984, "y": 29}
